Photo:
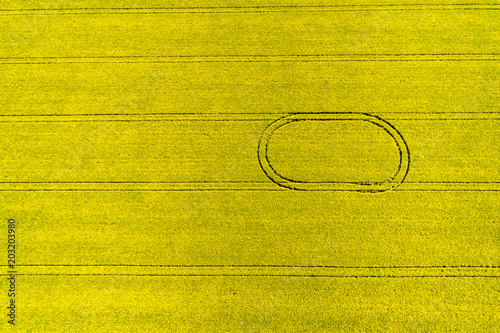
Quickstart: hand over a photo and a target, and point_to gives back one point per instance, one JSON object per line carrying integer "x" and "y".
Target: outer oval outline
{"x": 371, "y": 187}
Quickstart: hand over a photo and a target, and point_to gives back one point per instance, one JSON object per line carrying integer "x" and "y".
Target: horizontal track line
{"x": 131, "y": 120}
{"x": 244, "y": 190}
{"x": 263, "y": 275}
{"x": 254, "y": 7}
{"x": 257, "y": 55}
{"x": 157, "y": 114}
{"x": 225, "y": 114}
{"x": 248, "y": 9}
{"x": 245, "y": 61}
{"x": 167, "y": 59}
{"x": 145, "y": 190}
{"x": 138, "y": 182}
{"x": 219, "y": 120}
{"x": 233, "y": 182}
{"x": 260, "y": 266}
